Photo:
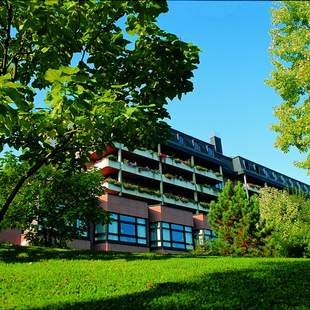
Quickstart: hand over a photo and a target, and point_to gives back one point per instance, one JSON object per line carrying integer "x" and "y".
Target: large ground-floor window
{"x": 170, "y": 235}
{"x": 123, "y": 229}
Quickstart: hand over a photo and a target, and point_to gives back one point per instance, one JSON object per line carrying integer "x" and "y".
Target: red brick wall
{"x": 124, "y": 205}
{"x": 201, "y": 221}
{"x": 79, "y": 244}
{"x": 11, "y": 235}
{"x": 106, "y": 246}
{"x": 172, "y": 215}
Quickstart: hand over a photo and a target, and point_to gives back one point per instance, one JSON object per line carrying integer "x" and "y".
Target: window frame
{"x": 119, "y": 235}
{"x": 164, "y": 243}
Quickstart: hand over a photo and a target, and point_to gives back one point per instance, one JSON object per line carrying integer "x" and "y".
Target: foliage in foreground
{"x": 52, "y": 201}
{"x": 39, "y": 278}
{"x": 286, "y": 221}
{"x": 275, "y": 223}
{"x": 76, "y": 76}
{"x": 234, "y": 219}
{"x": 291, "y": 76}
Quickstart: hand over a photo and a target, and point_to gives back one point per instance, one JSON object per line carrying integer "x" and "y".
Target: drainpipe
{"x": 194, "y": 180}
{"x": 120, "y": 174}
{"x": 246, "y": 186}
{"x": 161, "y": 185}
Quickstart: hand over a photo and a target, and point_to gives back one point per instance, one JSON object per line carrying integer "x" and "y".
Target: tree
{"x": 52, "y": 202}
{"x": 76, "y": 76}
{"x": 291, "y": 77}
{"x": 235, "y": 218}
{"x": 286, "y": 219}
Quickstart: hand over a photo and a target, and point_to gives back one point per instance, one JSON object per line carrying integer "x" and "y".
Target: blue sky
{"x": 230, "y": 98}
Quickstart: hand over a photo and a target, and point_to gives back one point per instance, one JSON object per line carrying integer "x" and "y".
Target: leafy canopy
{"x": 52, "y": 202}
{"x": 76, "y": 76}
{"x": 286, "y": 220}
{"x": 291, "y": 76}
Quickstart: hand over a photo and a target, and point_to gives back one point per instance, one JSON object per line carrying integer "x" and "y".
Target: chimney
{"x": 217, "y": 142}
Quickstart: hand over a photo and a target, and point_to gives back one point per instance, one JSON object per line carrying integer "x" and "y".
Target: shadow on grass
{"x": 19, "y": 254}
{"x": 275, "y": 285}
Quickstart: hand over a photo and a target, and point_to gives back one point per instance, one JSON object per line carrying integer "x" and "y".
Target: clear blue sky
{"x": 230, "y": 98}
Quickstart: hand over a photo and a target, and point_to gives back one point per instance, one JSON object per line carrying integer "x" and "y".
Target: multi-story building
{"x": 158, "y": 199}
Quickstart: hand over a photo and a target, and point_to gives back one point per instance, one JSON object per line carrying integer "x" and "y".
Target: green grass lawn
{"x": 38, "y": 278}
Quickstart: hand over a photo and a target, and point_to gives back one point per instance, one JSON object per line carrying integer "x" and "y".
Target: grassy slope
{"x": 39, "y": 278}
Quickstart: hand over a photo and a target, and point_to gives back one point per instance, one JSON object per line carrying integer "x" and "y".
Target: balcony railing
{"x": 134, "y": 190}
{"x": 254, "y": 188}
{"x": 130, "y": 168}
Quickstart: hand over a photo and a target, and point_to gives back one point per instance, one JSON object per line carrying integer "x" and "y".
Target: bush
{"x": 214, "y": 247}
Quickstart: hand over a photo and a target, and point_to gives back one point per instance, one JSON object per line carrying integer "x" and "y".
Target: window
{"x": 196, "y": 146}
{"x": 210, "y": 151}
{"x": 180, "y": 139}
{"x": 173, "y": 236}
{"x": 203, "y": 235}
{"x": 82, "y": 228}
{"x": 123, "y": 228}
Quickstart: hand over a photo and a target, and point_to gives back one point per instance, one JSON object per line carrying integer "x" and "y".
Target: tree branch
{"x": 31, "y": 172}
{"x": 8, "y": 37}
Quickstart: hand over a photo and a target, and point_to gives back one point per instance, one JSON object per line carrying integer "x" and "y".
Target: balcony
{"x": 179, "y": 202}
{"x": 177, "y": 163}
{"x": 253, "y": 188}
{"x": 207, "y": 189}
{"x": 178, "y": 182}
{"x": 142, "y": 171}
{"x": 208, "y": 173}
{"x": 133, "y": 190}
{"x": 144, "y": 153}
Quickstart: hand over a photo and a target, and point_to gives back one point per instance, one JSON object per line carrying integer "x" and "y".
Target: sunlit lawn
{"x": 36, "y": 278}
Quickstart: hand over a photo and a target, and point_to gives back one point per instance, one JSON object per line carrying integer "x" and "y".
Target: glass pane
{"x": 154, "y": 225}
{"x": 113, "y": 228}
{"x": 153, "y": 235}
{"x": 188, "y": 228}
{"x": 100, "y": 237}
{"x": 140, "y": 221}
{"x": 177, "y": 227}
{"x": 128, "y": 239}
{"x": 189, "y": 238}
{"x": 99, "y": 229}
{"x": 154, "y": 244}
{"x": 113, "y": 216}
{"x": 142, "y": 241}
{"x": 167, "y": 244}
{"x": 141, "y": 231}
{"x": 177, "y": 236}
{"x": 83, "y": 233}
{"x": 178, "y": 245}
{"x": 165, "y": 225}
{"x": 208, "y": 232}
{"x": 128, "y": 229}
{"x": 189, "y": 247}
{"x": 112, "y": 237}
{"x": 166, "y": 234}
{"x": 126, "y": 218}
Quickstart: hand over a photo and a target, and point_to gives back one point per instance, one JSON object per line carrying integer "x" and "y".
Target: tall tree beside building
{"x": 55, "y": 205}
{"x": 76, "y": 76}
{"x": 291, "y": 76}
{"x": 234, "y": 219}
